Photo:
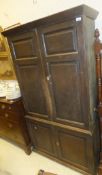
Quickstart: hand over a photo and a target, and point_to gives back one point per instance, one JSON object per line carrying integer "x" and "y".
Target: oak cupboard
{"x": 55, "y": 67}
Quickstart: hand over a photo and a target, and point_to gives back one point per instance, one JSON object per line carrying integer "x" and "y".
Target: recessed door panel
{"x": 32, "y": 89}
{"x": 72, "y": 147}
{"x": 60, "y": 41}
{"x": 24, "y": 46}
{"x": 42, "y": 137}
{"x": 66, "y": 89}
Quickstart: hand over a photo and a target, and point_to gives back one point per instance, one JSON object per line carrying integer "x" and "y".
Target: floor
{"x": 16, "y": 162}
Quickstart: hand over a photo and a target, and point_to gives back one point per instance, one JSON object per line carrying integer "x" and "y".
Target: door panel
{"x": 24, "y": 46}
{"x": 32, "y": 88}
{"x": 61, "y": 56}
{"x": 29, "y": 71}
{"x": 66, "y": 88}
{"x": 60, "y": 41}
{"x": 42, "y": 137}
{"x": 73, "y": 148}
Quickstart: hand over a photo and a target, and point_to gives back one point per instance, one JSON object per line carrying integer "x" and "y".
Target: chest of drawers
{"x": 12, "y": 123}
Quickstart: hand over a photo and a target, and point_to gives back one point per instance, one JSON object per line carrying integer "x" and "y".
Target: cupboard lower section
{"x": 75, "y": 149}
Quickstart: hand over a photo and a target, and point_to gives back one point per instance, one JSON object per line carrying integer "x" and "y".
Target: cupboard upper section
{"x": 75, "y": 14}
{"x": 55, "y": 66}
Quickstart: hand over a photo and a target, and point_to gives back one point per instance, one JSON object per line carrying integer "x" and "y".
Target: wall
{"x": 13, "y": 11}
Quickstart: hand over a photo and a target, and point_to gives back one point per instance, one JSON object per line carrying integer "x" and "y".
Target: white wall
{"x": 14, "y": 11}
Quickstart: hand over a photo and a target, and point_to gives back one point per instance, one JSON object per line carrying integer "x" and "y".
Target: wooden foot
{"x": 42, "y": 172}
{"x": 100, "y": 169}
{"x": 28, "y": 150}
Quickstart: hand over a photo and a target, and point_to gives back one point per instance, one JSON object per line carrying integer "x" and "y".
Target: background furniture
{"x": 54, "y": 63}
{"x": 98, "y": 56}
{"x": 12, "y": 123}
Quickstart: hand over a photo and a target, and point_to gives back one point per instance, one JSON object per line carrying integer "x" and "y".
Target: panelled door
{"x": 42, "y": 137}
{"x": 73, "y": 148}
{"x": 29, "y": 69}
{"x": 63, "y": 60}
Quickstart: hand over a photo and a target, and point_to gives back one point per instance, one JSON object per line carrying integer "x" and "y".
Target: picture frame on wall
{"x": 6, "y": 65}
{"x": 2, "y": 45}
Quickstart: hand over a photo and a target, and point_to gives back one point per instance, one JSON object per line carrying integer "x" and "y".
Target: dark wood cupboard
{"x": 55, "y": 67}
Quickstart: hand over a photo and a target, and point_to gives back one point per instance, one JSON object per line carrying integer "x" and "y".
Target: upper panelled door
{"x": 29, "y": 72}
{"x": 59, "y": 44}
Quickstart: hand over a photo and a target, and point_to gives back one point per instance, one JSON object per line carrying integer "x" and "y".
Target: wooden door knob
{"x": 35, "y": 127}
{"x": 10, "y": 125}
{"x": 6, "y": 115}
{"x": 57, "y": 143}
